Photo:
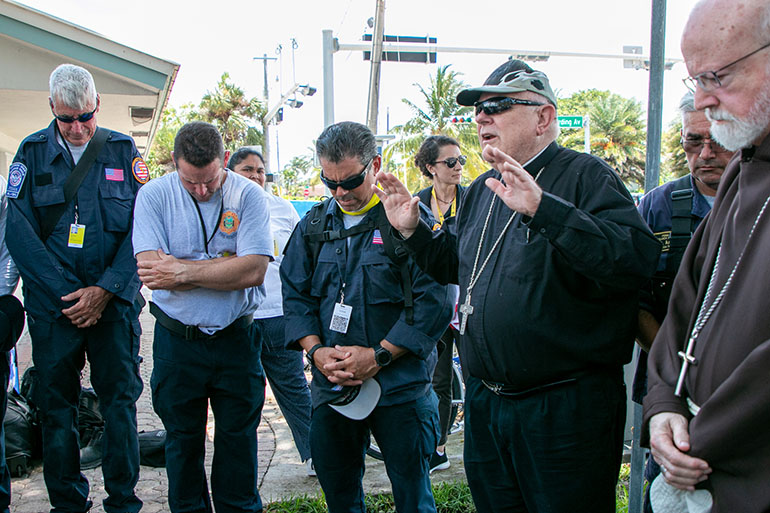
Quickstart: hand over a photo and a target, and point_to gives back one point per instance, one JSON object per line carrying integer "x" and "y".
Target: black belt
{"x": 517, "y": 393}
{"x": 193, "y": 332}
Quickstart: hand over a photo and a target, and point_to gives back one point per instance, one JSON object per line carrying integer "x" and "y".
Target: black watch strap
{"x": 312, "y": 352}
{"x": 382, "y": 356}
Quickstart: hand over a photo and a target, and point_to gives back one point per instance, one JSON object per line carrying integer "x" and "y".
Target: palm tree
{"x": 434, "y": 117}
{"x": 618, "y": 132}
{"x": 227, "y": 108}
{"x": 674, "y": 162}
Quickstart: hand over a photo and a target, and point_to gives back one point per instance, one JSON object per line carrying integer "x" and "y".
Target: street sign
{"x": 418, "y": 55}
{"x": 570, "y": 121}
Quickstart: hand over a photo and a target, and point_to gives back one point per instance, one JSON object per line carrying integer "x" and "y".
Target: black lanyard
{"x": 206, "y": 238}
{"x": 72, "y": 159}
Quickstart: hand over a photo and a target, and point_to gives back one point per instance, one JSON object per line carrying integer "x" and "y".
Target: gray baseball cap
{"x": 514, "y": 82}
{"x": 358, "y": 402}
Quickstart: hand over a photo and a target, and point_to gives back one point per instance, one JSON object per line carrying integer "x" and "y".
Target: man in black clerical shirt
{"x": 549, "y": 254}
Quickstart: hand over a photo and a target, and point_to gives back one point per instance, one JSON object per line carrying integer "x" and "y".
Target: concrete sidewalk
{"x": 281, "y": 473}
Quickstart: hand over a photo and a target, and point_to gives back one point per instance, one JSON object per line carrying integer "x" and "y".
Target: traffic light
{"x": 279, "y": 116}
{"x": 461, "y": 119}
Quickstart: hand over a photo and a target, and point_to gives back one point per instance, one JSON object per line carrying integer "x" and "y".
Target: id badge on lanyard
{"x": 77, "y": 233}
{"x": 341, "y": 315}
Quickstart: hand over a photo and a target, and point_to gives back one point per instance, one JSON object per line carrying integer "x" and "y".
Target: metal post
{"x": 328, "y": 82}
{"x": 636, "y": 480}
{"x": 587, "y": 133}
{"x": 651, "y": 178}
{"x": 266, "y": 122}
{"x": 374, "y": 74}
{"x": 655, "y": 98}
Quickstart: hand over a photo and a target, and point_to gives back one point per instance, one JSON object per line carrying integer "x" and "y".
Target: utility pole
{"x": 374, "y": 74}
{"x": 265, "y": 121}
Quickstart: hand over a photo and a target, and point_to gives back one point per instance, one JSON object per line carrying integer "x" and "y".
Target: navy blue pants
{"x": 555, "y": 451}
{"x": 407, "y": 435}
{"x": 188, "y": 375}
{"x": 58, "y": 352}
{"x": 5, "y": 476}
{"x": 285, "y": 371}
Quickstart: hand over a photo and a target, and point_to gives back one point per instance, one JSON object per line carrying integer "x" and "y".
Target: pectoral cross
{"x": 687, "y": 359}
{"x": 465, "y": 310}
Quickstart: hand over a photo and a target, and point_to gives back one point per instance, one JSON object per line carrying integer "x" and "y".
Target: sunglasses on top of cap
{"x": 82, "y": 117}
{"x": 452, "y": 161}
{"x": 349, "y": 183}
{"x": 498, "y": 104}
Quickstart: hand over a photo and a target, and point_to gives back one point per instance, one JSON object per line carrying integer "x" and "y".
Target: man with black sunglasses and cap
{"x": 549, "y": 253}
{"x": 71, "y": 190}
{"x": 369, "y": 324}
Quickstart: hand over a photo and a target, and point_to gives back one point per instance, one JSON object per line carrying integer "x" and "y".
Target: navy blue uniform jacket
{"x": 51, "y": 269}
{"x": 373, "y": 289}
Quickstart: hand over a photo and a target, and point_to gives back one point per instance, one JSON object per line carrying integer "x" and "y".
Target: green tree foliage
{"x": 159, "y": 160}
{"x": 618, "y": 133}
{"x": 674, "y": 162}
{"x": 299, "y": 173}
{"x": 227, "y": 108}
{"x": 238, "y": 119}
{"x": 431, "y": 116}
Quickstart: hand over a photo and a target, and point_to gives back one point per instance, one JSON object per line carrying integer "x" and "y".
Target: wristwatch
{"x": 312, "y": 351}
{"x": 382, "y": 356}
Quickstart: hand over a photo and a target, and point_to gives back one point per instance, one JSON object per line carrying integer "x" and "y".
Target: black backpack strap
{"x": 316, "y": 235}
{"x": 682, "y": 222}
{"x": 399, "y": 255}
{"x": 71, "y": 186}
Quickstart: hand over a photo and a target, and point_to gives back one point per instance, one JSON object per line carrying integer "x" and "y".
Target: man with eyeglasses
{"x": 549, "y": 254}
{"x": 706, "y": 409}
{"x": 673, "y": 211}
{"x": 71, "y": 190}
{"x": 369, "y": 325}
{"x": 202, "y": 242}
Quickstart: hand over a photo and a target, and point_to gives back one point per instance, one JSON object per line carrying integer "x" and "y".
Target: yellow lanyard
{"x": 452, "y": 206}
{"x": 372, "y": 203}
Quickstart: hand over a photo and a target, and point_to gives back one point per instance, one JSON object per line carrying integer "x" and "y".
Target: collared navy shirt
{"x": 51, "y": 269}
{"x": 372, "y": 287}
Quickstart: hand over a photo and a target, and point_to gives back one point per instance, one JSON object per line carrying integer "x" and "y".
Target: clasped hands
{"x": 90, "y": 303}
{"x": 346, "y": 365}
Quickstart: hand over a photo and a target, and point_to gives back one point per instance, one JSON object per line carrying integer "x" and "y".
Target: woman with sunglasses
{"x": 440, "y": 160}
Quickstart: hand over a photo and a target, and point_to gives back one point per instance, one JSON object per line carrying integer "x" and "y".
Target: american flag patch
{"x": 115, "y": 175}
{"x": 377, "y": 239}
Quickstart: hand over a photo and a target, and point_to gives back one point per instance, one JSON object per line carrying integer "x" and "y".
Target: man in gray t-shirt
{"x": 202, "y": 242}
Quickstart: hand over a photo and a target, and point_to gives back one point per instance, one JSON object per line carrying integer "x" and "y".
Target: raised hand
{"x": 520, "y": 192}
{"x": 402, "y": 209}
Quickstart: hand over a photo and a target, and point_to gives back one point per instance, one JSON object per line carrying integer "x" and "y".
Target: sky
{"x": 210, "y": 38}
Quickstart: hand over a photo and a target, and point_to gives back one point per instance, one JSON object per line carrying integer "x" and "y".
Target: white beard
{"x": 734, "y": 133}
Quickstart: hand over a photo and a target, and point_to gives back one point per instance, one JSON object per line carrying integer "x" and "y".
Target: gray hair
{"x": 687, "y": 104}
{"x": 73, "y": 87}
{"x": 346, "y": 140}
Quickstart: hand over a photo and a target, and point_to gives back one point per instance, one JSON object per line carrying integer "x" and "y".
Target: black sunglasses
{"x": 451, "y": 161}
{"x": 82, "y": 118}
{"x": 349, "y": 183}
{"x": 500, "y": 104}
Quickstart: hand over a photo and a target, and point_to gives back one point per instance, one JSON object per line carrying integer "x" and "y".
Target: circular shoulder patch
{"x": 16, "y": 174}
{"x": 140, "y": 170}
{"x": 229, "y": 222}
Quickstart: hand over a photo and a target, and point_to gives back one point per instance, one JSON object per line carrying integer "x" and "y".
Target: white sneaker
{"x": 310, "y": 467}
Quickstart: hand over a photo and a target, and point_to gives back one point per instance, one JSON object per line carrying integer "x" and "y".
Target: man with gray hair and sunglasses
{"x": 673, "y": 211}
{"x": 549, "y": 252}
{"x": 706, "y": 410}
{"x": 71, "y": 191}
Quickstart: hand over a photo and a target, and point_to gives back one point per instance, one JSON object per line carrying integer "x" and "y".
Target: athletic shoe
{"x": 438, "y": 462}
